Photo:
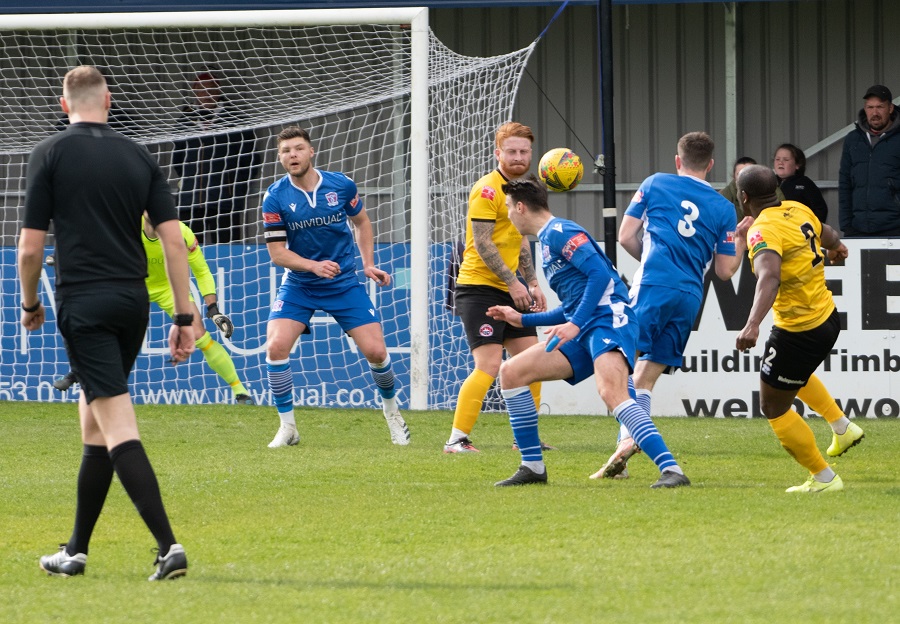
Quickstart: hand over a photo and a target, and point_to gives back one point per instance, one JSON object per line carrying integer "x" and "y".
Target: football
{"x": 560, "y": 169}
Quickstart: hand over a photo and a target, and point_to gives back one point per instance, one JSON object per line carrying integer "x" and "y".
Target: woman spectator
{"x": 790, "y": 167}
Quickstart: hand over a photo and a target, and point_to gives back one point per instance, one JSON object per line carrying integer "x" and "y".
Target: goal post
{"x": 410, "y": 121}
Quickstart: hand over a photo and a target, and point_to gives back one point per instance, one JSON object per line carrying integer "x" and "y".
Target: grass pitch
{"x": 346, "y": 527}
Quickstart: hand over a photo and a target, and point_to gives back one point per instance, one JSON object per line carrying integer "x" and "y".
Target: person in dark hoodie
{"x": 869, "y": 181}
{"x": 215, "y": 165}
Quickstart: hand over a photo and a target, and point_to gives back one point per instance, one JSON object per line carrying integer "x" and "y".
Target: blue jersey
{"x": 686, "y": 222}
{"x": 315, "y": 225}
{"x": 586, "y": 282}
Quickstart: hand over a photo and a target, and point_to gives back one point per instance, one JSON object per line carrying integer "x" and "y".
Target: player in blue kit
{"x": 594, "y": 333}
{"x": 307, "y": 218}
{"x": 686, "y": 224}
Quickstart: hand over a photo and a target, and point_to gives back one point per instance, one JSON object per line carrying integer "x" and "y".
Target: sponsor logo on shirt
{"x": 277, "y": 305}
{"x": 729, "y": 237}
{"x": 485, "y": 330}
{"x": 488, "y": 193}
{"x": 293, "y": 207}
{"x": 638, "y": 197}
{"x": 271, "y": 217}
{"x": 337, "y": 217}
{"x": 331, "y": 198}
{"x": 573, "y": 244}
{"x": 193, "y": 246}
{"x": 354, "y": 201}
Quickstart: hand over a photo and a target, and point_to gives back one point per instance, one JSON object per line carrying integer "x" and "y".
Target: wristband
{"x": 33, "y": 308}
{"x": 183, "y": 320}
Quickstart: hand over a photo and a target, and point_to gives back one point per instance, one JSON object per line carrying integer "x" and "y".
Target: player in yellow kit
{"x": 785, "y": 246}
{"x": 161, "y": 294}
{"x": 494, "y": 253}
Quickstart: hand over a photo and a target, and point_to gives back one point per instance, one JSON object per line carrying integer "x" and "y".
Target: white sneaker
{"x": 287, "y": 436}
{"x": 399, "y": 430}
{"x": 463, "y": 445}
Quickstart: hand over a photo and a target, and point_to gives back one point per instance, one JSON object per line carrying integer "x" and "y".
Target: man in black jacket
{"x": 869, "y": 181}
{"x": 215, "y": 167}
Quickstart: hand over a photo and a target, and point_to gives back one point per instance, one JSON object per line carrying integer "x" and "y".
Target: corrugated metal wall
{"x": 802, "y": 68}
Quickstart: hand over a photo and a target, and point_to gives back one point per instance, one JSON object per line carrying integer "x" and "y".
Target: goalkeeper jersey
{"x": 793, "y": 232}
{"x": 315, "y": 225}
{"x": 487, "y": 202}
{"x": 156, "y": 265}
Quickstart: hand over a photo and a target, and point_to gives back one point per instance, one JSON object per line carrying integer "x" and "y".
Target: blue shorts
{"x": 593, "y": 342}
{"x": 666, "y": 317}
{"x": 350, "y": 306}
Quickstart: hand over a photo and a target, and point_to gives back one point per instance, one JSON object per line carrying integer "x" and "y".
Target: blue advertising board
{"x": 328, "y": 369}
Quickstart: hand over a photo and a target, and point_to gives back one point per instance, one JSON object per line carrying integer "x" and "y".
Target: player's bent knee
{"x": 512, "y": 375}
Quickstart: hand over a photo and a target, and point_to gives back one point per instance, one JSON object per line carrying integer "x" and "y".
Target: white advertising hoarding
{"x": 862, "y": 373}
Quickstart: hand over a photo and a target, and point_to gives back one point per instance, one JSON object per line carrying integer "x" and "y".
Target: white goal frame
{"x": 417, "y": 18}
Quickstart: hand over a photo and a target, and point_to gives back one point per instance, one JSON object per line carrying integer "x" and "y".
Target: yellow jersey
{"x": 157, "y": 280}
{"x": 793, "y": 232}
{"x": 487, "y": 202}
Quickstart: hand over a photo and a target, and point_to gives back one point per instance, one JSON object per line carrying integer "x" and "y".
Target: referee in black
{"x": 93, "y": 184}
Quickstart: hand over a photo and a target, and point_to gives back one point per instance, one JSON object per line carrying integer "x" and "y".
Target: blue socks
{"x": 523, "y": 418}
{"x": 645, "y": 433}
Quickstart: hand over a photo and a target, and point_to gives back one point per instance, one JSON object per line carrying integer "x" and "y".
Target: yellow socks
{"x": 471, "y": 396}
{"x": 797, "y": 439}
{"x": 219, "y": 360}
{"x": 535, "y": 389}
{"x": 820, "y": 400}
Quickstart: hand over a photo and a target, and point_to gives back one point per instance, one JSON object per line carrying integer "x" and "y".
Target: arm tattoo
{"x": 526, "y": 268}
{"x": 482, "y": 232}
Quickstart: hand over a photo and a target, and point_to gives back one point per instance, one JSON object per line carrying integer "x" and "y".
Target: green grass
{"x": 346, "y": 527}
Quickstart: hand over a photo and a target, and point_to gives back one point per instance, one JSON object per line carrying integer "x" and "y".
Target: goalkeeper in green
{"x": 161, "y": 294}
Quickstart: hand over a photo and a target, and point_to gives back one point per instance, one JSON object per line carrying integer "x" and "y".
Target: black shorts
{"x": 472, "y": 303}
{"x": 791, "y": 358}
{"x": 103, "y": 329}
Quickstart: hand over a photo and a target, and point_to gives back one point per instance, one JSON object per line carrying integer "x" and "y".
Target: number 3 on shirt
{"x": 686, "y": 225}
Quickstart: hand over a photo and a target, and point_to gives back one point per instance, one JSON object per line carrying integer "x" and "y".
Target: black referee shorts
{"x": 791, "y": 358}
{"x": 472, "y": 303}
{"x": 103, "y": 328}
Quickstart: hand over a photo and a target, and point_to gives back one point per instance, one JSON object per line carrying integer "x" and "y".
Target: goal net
{"x": 385, "y": 102}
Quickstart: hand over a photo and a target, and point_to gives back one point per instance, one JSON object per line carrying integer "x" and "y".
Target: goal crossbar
{"x": 218, "y": 19}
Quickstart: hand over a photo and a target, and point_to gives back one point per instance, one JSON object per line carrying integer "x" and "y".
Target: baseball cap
{"x": 879, "y": 91}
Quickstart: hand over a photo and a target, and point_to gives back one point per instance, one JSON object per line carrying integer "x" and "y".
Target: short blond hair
{"x": 513, "y": 129}
{"x": 84, "y": 86}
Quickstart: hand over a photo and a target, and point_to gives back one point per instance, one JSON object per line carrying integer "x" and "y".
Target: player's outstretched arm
{"x": 505, "y": 313}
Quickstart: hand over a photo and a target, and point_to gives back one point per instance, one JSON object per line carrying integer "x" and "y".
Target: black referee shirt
{"x": 94, "y": 184}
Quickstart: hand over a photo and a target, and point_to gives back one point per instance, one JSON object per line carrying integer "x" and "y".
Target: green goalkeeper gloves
{"x": 222, "y": 322}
